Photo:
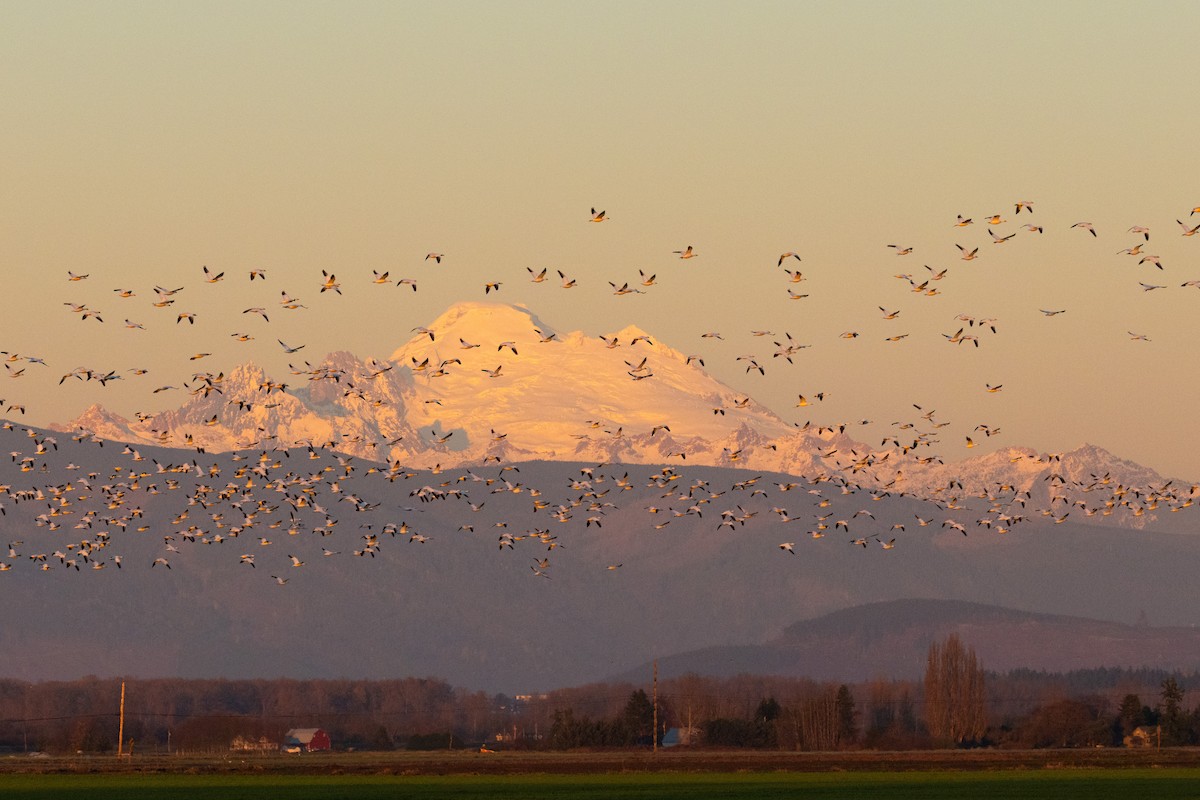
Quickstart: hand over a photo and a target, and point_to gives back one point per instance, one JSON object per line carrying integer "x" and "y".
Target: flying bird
{"x": 331, "y": 283}
{"x": 998, "y": 239}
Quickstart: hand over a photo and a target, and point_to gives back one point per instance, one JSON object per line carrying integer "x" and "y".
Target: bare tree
{"x": 954, "y": 692}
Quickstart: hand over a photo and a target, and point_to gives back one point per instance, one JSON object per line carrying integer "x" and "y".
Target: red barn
{"x": 309, "y": 740}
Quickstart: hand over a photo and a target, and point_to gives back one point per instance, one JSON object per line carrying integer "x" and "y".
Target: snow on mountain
{"x": 105, "y": 424}
{"x": 1088, "y": 482}
{"x": 342, "y": 403}
{"x": 493, "y": 381}
{"x": 494, "y": 370}
{"x": 487, "y": 381}
{"x": 1024, "y": 469}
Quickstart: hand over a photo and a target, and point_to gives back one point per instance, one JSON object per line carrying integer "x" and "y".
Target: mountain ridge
{"x": 488, "y": 381}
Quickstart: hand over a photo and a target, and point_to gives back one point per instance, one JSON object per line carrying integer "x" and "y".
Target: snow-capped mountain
{"x": 247, "y": 409}
{"x": 491, "y": 380}
{"x": 493, "y": 370}
{"x": 486, "y": 382}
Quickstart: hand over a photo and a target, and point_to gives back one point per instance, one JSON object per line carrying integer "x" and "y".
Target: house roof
{"x": 304, "y": 735}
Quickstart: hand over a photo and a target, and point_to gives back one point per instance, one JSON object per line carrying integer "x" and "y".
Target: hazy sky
{"x": 145, "y": 140}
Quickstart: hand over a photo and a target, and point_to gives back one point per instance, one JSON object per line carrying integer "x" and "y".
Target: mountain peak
{"x": 98, "y": 420}
{"x": 631, "y": 332}
{"x": 1090, "y": 462}
{"x": 479, "y": 322}
{"x": 490, "y": 373}
{"x": 1092, "y": 451}
{"x": 248, "y": 373}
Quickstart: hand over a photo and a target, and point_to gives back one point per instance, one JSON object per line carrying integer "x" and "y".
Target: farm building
{"x": 248, "y": 744}
{"x": 1144, "y": 736}
{"x": 309, "y": 740}
{"x": 676, "y": 737}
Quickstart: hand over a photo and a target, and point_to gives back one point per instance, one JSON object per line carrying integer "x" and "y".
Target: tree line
{"x": 956, "y": 704}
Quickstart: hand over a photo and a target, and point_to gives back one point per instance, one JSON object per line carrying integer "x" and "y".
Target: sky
{"x": 145, "y": 141}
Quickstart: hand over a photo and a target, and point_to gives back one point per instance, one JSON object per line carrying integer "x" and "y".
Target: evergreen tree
{"x": 765, "y": 723}
{"x": 847, "y": 729}
{"x": 1171, "y": 698}
{"x": 638, "y": 717}
{"x": 1171, "y": 716}
{"x": 381, "y": 740}
{"x": 1130, "y": 716}
{"x": 768, "y": 710}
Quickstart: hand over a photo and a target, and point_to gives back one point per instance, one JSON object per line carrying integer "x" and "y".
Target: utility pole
{"x": 655, "y": 690}
{"x": 121, "y": 726}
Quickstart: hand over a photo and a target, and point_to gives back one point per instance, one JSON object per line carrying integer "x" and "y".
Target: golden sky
{"x": 146, "y": 140}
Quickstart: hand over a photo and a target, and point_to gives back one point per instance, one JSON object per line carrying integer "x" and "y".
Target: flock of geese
{"x": 256, "y": 500}
{"x": 265, "y": 506}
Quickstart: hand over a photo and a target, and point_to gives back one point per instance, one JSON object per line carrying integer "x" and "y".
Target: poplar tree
{"x": 954, "y": 693}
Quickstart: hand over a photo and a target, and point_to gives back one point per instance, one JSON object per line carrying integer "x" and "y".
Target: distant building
{"x": 309, "y": 740}
{"x": 676, "y": 737}
{"x": 526, "y": 699}
{"x": 1143, "y": 736}
{"x": 246, "y": 744}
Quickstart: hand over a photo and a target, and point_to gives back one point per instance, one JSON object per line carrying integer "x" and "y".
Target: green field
{"x": 1086, "y": 784}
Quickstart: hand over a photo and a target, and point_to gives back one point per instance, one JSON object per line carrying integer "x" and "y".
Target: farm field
{"x": 1095, "y": 775}
{"x": 1089, "y": 784}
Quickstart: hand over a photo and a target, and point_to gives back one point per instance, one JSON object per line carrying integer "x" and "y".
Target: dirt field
{"x": 583, "y": 763}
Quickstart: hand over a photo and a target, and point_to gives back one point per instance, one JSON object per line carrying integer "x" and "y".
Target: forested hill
{"x": 892, "y": 639}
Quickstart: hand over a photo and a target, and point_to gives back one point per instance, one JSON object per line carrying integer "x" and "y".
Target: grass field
{"x": 696, "y": 775}
{"x": 1085, "y": 784}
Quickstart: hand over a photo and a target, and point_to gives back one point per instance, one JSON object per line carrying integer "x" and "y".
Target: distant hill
{"x": 891, "y": 639}
{"x": 516, "y": 576}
